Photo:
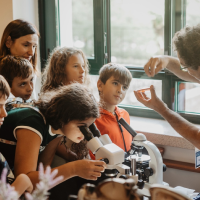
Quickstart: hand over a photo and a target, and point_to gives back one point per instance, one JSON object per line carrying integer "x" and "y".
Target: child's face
{"x": 3, "y": 112}
{"x": 72, "y": 131}
{"x": 112, "y": 92}
{"x": 75, "y": 70}
{"x": 22, "y": 88}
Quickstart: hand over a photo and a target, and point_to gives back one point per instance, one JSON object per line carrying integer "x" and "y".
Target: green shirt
{"x": 27, "y": 118}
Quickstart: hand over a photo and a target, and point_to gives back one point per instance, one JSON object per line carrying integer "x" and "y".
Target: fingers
{"x": 159, "y": 67}
{"x": 146, "y": 67}
{"x": 152, "y": 67}
{"x": 153, "y": 92}
{"x": 99, "y": 169}
{"x": 100, "y": 163}
{"x": 139, "y": 97}
{"x": 144, "y": 96}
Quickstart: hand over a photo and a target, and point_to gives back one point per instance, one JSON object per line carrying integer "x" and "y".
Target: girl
{"x": 27, "y": 132}
{"x": 65, "y": 65}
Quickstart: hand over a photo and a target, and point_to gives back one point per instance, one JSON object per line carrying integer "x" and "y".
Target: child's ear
{"x": 9, "y": 42}
{"x": 100, "y": 85}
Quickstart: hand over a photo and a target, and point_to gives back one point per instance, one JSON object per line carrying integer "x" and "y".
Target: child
{"x": 19, "y": 74}
{"x": 35, "y": 131}
{"x": 22, "y": 183}
{"x": 65, "y": 66}
{"x": 113, "y": 83}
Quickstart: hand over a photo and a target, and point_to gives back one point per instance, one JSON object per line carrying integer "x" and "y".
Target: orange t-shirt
{"x": 107, "y": 124}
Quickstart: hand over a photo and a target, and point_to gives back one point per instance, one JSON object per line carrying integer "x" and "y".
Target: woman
{"x": 20, "y": 38}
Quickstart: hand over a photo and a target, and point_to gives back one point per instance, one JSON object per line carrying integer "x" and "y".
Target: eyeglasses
{"x": 185, "y": 69}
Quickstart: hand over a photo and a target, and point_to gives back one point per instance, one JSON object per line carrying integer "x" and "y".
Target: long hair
{"x": 54, "y": 73}
{"x": 16, "y": 29}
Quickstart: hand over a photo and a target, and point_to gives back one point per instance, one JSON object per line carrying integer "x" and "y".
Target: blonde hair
{"x": 54, "y": 73}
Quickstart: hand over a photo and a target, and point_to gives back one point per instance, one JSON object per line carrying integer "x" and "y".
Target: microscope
{"x": 105, "y": 150}
{"x": 145, "y": 172}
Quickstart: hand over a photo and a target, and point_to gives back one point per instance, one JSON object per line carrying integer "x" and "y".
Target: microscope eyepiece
{"x": 86, "y": 132}
{"x": 95, "y": 131}
{"x": 127, "y": 127}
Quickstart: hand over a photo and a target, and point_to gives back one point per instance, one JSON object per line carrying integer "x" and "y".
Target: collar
{"x": 105, "y": 112}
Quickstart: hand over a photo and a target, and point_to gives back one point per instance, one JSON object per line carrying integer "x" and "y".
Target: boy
{"x": 113, "y": 83}
{"x": 19, "y": 74}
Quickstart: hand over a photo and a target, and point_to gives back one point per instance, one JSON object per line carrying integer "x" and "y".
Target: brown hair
{"x": 16, "y": 29}
{"x": 120, "y": 72}
{"x": 11, "y": 67}
{"x": 67, "y": 103}
{"x": 54, "y": 73}
{"x": 187, "y": 43}
{"x": 4, "y": 88}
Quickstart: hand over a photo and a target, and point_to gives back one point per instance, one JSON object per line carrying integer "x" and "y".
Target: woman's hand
{"x": 89, "y": 169}
{"x": 154, "y": 103}
{"x": 156, "y": 64}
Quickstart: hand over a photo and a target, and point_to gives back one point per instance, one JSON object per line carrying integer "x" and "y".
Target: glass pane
{"x": 188, "y": 96}
{"x": 76, "y": 25}
{"x": 137, "y": 31}
{"x": 136, "y": 84}
{"x": 192, "y": 12}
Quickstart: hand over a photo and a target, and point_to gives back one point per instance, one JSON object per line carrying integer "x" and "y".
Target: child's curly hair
{"x": 54, "y": 73}
{"x": 67, "y": 103}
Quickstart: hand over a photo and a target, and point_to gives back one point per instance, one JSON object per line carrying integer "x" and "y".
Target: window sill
{"x": 159, "y": 132}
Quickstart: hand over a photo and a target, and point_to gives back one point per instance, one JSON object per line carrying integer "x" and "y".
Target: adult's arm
{"x": 157, "y": 63}
{"x": 26, "y": 157}
{"x": 180, "y": 125}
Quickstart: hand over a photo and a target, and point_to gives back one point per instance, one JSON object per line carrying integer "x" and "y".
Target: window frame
{"x": 49, "y": 28}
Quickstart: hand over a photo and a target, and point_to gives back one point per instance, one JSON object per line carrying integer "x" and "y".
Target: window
{"x": 137, "y": 31}
{"x": 129, "y": 33}
{"x": 76, "y": 25}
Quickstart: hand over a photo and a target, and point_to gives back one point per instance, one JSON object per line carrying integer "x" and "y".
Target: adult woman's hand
{"x": 154, "y": 103}
{"x": 156, "y": 64}
{"x": 89, "y": 169}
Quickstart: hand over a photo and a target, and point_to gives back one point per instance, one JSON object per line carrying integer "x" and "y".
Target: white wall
{"x": 20, "y": 9}
{"x": 6, "y": 14}
{"x": 176, "y": 177}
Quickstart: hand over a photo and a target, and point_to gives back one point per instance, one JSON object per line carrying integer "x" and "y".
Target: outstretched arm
{"x": 157, "y": 63}
{"x": 182, "y": 126}
{"x": 26, "y": 158}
